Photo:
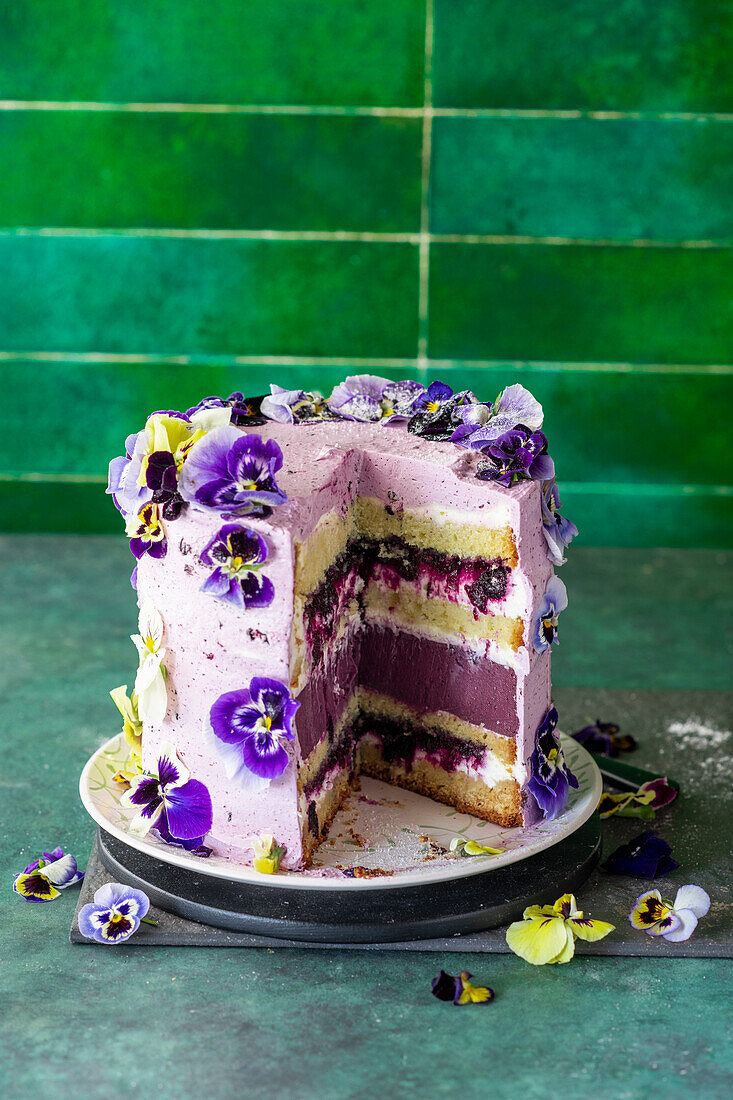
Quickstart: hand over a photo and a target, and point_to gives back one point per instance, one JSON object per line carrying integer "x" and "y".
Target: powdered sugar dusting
{"x": 694, "y": 734}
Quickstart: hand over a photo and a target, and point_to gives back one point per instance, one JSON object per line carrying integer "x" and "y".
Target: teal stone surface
{"x": 228, "y": 1023}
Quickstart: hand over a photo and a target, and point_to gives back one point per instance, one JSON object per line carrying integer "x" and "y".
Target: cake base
{"x": 378, "y": 915}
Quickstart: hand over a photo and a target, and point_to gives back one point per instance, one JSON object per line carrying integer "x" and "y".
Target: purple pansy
{"x": 170, "y": 802}
{"x": 237, "y": 553}
{"x": 518, "y": 455}
{"x": 645, "y": 856}
{"x": 161, "y": 475}
{"x": 436, "y": 411}
{"x": 558, "y": 531}
{"x": 232, "y": 472}
{"x": 481, "y": 425}
{"x": 123, "y": 485}
{"x": 44, "y": 877}
{"x": 115, "y": 913}
{"x": 460, "y": 990}
{"x": 243, "y": 410}
{"x": 359, "y": 397}
{"x": 604, "y": 737}
{"x": 551, "y": 779}
{"x": 296, "y": 407}
{"x": 544, "y": 629}
{"x": 148, "y": 533}
{"x": 248, "y": 726}
{"x": 400, "y": 399}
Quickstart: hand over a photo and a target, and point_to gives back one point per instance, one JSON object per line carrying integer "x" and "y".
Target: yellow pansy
{"x": 547, "y": 933}
{"x": 267, "y": 854}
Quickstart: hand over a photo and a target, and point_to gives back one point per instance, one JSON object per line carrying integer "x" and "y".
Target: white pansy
{"x": 152, "y": 698}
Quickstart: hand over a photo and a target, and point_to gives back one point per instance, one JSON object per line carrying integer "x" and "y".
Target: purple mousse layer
{"x": 422, "y": 673}
{"x": 430, "y": 675}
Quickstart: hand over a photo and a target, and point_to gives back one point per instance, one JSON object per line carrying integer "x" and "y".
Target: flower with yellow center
{"x": 547, "y": 933}
{"x": 267, "y": 854}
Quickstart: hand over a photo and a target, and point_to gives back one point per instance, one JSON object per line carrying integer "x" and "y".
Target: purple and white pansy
{"x": 544, "y": 627}
{"x": 233, "y": 473}
{"x": 115, "y": 913}
{"x": 237, "y": 554}
{"x": 480, "y": 425}
{"x": 359, "y": 397}
{"x": 248, "y": 728}
{"x": 296, "y": 407}
{"x": 44, "y": 877}
{"x": 169, "y": 801}
{"x": 551, "y": 779}
{"x": 558, "y": 531}
{"x": 435, "y": 411}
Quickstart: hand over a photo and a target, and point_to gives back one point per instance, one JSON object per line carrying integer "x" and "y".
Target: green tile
{"x": 182, "y": 296}
{"x": 211, "y": 171}
{"x": 629, "y": 55}
{"x": 107, "y": 401}
{"x": 608, "y": 426}
{"x": 587, "y": 178}
{"x": 325, "y": 51}
{"x": 649, "y": 519}
{"x": 574, "y": 303}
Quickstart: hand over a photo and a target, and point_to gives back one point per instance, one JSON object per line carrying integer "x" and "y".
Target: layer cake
{"x": 363, "y": 585}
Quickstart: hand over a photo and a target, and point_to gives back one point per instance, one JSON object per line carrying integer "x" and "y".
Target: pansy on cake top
{"x": 329, "y": 586}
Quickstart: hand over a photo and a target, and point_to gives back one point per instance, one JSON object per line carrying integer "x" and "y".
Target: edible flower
{"x": 267, "y": 854}
{"x": 176, "y": 806}
{"x": 675, "y": 923}
{"x": 547, "y": 933}
{"x": 233, "y": 472}
{"x": 152, "y": 698}
{"x": 359, "y": 397}
{"x": 295, "y": 406}
{"x": 460, "y": 990}
{"x": 146, "y": 532}
{"x": 436, "y": 411}
{"x": 400, "y": 399}
{"x": 483, "y": 424}
{"x": 237, "y": 554}
{"x": 544, "y": 629}
{"x": 551, "y": 778}
{"x": 558, "y": 531}
{"x": 248, "y": 726}
{"x": 604, "y": 737}
{"x": 44, "y": 877}
{"x": 650, "y": 797}
{"x": 132, "y": 728}
{"x": 161, "y": 475}
{"x": 463, "y": 847}
{"x": 239, "y": 410}
{"x": 115, "y": 913}
{"x": 645, "y": 856}
{"x": 518, "y": 455}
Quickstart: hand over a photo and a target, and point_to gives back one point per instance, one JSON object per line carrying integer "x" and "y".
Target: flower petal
{"x": 538, "y": 941}
{"x": 590, "y": 930}
{"x": 693, "y": 898}
{"x": 687, "y": 925}
{"x": 188, "y": 810}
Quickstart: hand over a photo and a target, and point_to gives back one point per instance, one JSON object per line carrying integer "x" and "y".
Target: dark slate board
{"x": 696, "y": 751}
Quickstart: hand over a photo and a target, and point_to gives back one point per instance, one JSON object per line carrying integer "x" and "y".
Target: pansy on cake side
{"x": 329, "y": 586}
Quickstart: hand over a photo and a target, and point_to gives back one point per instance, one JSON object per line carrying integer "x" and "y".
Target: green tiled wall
{"x": 200, "y": 197}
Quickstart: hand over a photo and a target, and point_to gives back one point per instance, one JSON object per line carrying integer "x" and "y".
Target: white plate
{"x": 379, "y": 827}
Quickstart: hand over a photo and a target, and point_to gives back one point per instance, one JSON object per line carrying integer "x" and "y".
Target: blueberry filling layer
{"x": 447, "y": 577}
{"x": 400, "y": 741}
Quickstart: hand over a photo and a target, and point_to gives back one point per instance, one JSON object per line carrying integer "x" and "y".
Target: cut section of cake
{"x": 351, "y": 587}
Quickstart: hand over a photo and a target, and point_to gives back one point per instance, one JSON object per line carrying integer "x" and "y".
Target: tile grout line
{"x": 423, "y": 301}
{"x": 423, "y": 239}
{"x": 571, "y": 114}
{"x": 536, "y": 366}
{"x": 604, "y": 488}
